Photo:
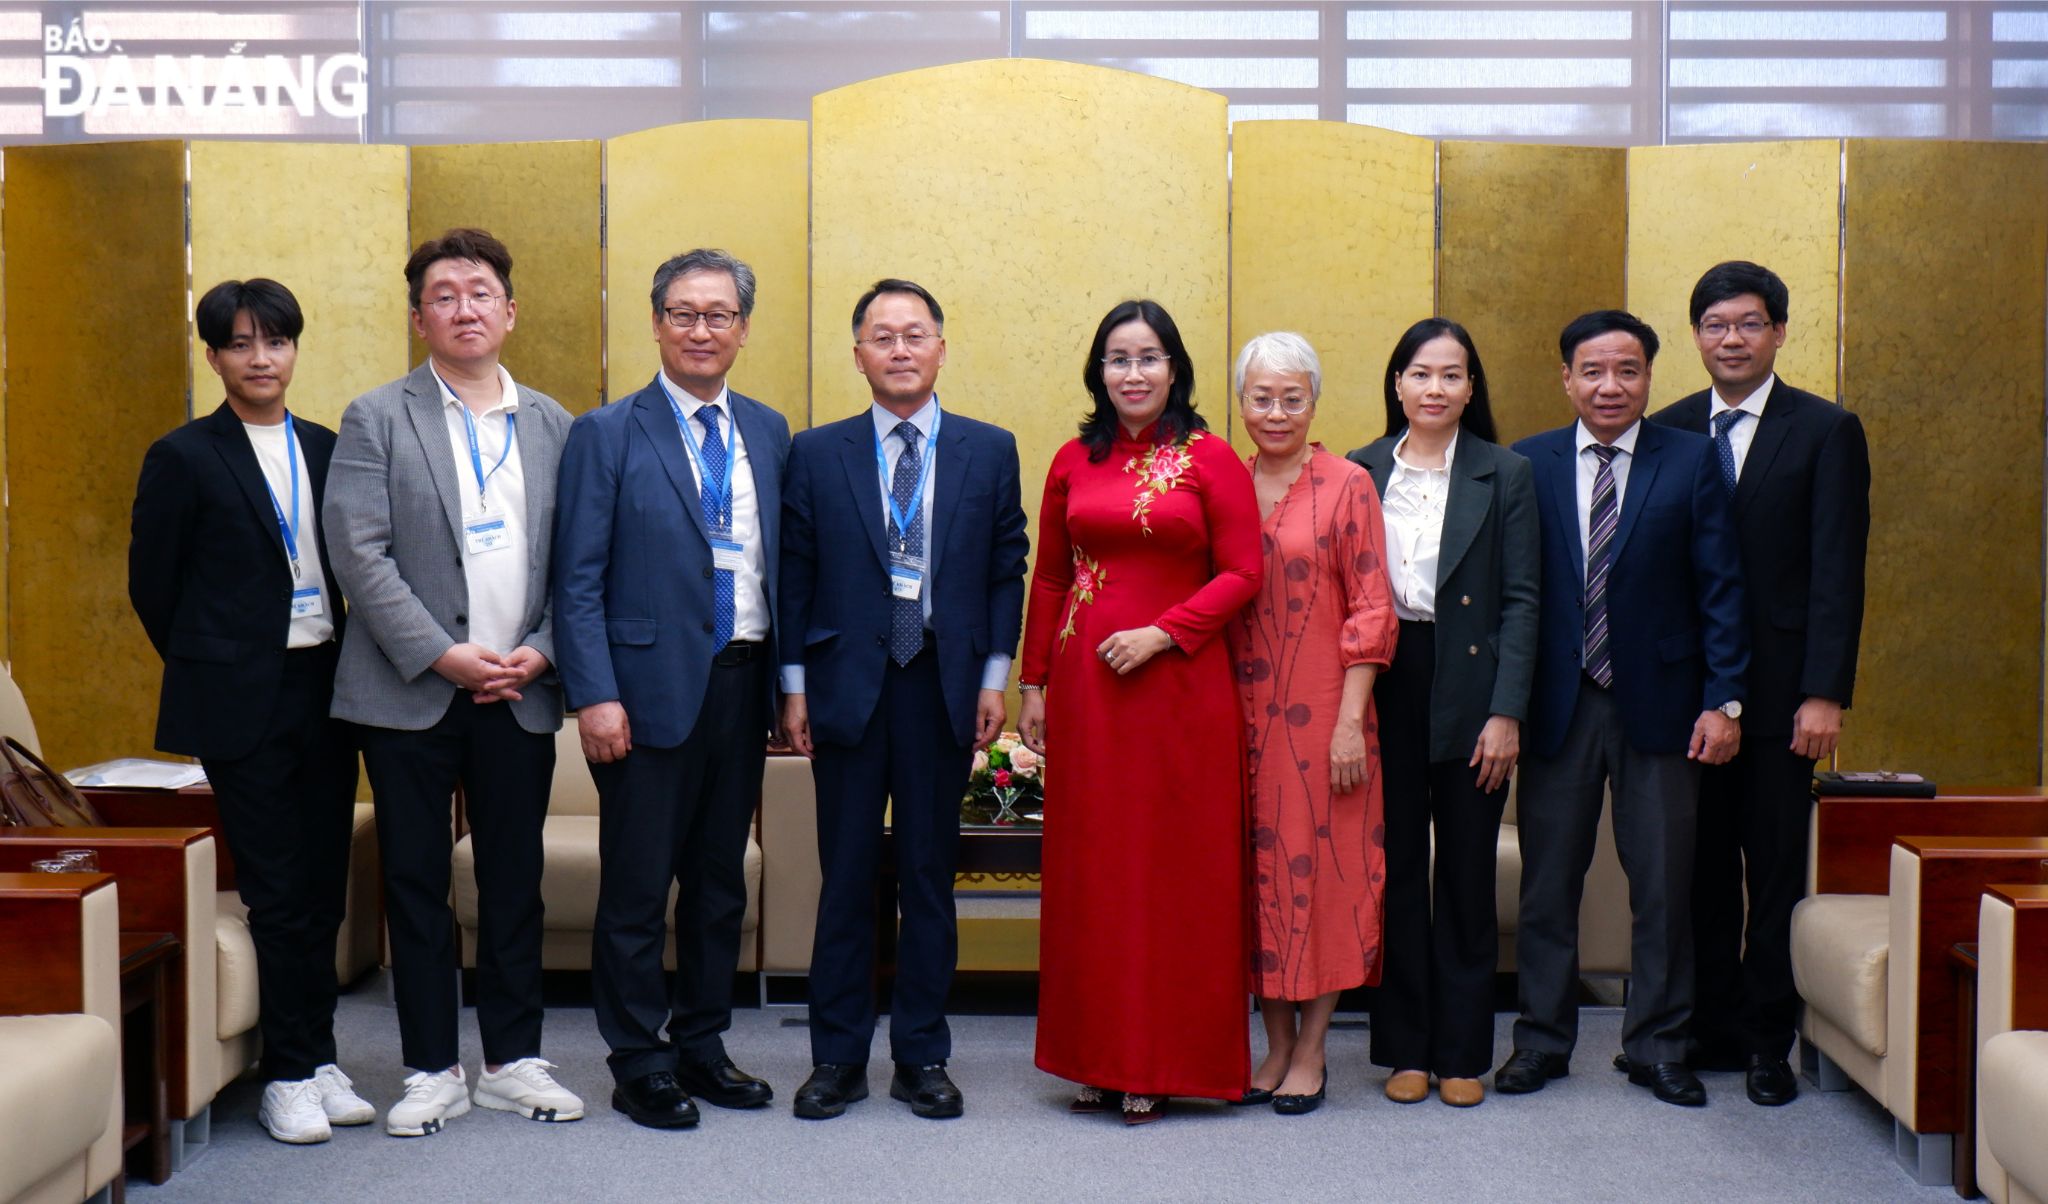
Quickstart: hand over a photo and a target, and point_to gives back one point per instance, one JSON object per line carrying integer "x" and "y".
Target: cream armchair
{"x": 2012, "y": 1044}
{"x": 60, "y": 1024}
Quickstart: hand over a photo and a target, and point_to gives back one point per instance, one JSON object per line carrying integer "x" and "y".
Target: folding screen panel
{"x": 743, "y": 186}
{"x": 545, "y": 201}
{"x": 95, "y": 372}
{"x": 1943, "y": 314}
{"x": 1533, "y": 236}
{"x": 1333, "y": 237}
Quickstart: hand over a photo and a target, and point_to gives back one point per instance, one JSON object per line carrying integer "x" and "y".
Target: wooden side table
{"x": 146, "y": 960}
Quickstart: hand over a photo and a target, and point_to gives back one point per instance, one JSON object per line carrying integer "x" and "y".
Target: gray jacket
{"x": 393, "y": 522}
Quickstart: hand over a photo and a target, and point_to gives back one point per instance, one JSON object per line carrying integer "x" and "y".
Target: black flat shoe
{"x": 1302, "y": 1105}
{"x": 1670, "y": 1082}
{"x": 928, "y": 1091}
{"x": 830, "y": 1089}
{"x": 722, "y": 1083}
{"x": 1528, "y": 1070}
{"x": 1252, "y": 1096}
{"x": 1769, "y": 1082}
{"x": 656, "y": 1100}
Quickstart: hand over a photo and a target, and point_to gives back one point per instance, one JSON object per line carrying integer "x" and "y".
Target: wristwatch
{"x": 1732, "y": 708}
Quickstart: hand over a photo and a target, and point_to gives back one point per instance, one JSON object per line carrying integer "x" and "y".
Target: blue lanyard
{"x": 721, "y": 488}
{"x": 924, "y": 473}
{"x": 476, "y": 459}
{"x": 290, "y": 531}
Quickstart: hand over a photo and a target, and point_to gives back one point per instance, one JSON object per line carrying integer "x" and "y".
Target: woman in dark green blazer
{"x": 1462, "y": 552}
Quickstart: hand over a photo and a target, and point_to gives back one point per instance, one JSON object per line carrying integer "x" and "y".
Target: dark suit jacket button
{"x": 1466, "y": 600}
{"x": 462, "y": 618}
{"x": 707, "y": 629}
{"x": 1473, "y": 650}
{"x": 707, "y": 572}
{"x": 881, "y": 641}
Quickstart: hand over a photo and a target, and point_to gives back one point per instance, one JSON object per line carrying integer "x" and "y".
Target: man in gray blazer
{"x": 440, "y": 507}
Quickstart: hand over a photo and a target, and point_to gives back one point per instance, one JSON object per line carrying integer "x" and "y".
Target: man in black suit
{"x": 1798, "y": 471}
{"x": 227, "y": 569}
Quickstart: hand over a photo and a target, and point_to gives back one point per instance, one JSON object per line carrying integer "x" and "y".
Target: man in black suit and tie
{"x": 1797, "y": 470}
{"x": 902, "y": 597}
{"x": 227, "y": 569}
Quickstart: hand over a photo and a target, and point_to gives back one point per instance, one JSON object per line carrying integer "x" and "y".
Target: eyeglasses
{"x": 482, "y": 303}
{"x": 713, "y": 319}
{"x": 1144, "y": 363}
{"x": 912, "y": 341}
{"x": 1287, "y": 405}
{"x": 1749, "y": 328}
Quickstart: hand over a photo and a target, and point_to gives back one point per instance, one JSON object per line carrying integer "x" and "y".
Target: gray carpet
{"x": 1587, "y": 1137}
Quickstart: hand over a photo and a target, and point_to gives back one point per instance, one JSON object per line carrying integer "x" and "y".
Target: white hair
{"x": 1280, "y": 351}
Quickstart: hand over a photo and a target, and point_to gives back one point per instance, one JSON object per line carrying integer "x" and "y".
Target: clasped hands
{"x": 487, "y": 675}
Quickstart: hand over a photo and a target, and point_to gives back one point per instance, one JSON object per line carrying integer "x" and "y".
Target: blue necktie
{"x": 906, "y": 615}
{"x": 1600, "y": 527}
{"x": 1724, "y": 448}
{"x": 714, "y": 469}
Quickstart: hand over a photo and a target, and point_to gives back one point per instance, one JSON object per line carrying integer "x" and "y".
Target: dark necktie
{"x": 1724, "y": 448}
{"x": 906, "y": 615}
{"x": 715, "y": 468}
{"x": 1600, "y": 526}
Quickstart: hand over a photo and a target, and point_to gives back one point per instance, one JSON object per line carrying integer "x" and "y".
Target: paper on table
{"x": 138, "y": 772}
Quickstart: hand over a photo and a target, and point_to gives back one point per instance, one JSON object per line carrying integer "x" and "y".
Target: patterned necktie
{"x": 906, "y": 615}
{"x": 715, "y": 468}
{"x": 1605, "y": 517}
{"x": 1724, "y": 448}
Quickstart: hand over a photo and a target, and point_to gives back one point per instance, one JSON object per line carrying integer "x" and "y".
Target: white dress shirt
{"x": 496, "y": 580}
{"x": 1413, "y": 511}
{"x": 1589, "y": 467}
{"x": 272, "y": 457}
{"x": 749, "y": 588}
{"x": 1743, "y": 433}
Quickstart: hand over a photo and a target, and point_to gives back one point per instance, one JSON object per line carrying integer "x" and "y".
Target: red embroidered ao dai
{"x": 1142, "y": 945}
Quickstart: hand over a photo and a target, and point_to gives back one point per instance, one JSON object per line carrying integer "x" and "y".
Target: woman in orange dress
{"x": 1148, "y": 546}
{"x": 1307, "y": 649}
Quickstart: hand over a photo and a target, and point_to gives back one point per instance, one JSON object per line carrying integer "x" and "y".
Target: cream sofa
{"x": 568, "y": 884}
{"x": 60, "y": 1092}
{"x": 2012, "y": 1044}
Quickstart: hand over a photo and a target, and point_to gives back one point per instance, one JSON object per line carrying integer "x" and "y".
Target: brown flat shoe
{"x": 1461, "y": 1093}
{"x": 1408, "y": 1086}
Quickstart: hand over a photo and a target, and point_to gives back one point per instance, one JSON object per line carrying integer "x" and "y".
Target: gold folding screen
{"x": 545, "y": 201}
{"x": 742, "y": 186}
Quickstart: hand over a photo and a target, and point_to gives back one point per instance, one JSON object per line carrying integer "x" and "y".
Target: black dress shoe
{"x": 1527, "y": 1070}
{"x": 829, "y": 1089}
{"x": 1670, "y": 1082}
{"x": 656, "y": 1100}
{"x": 1252, "y": 1096}
{"x": 1770, "y": 1082}
{"x": 722, "y": 1083}
{"x": 1302, "y": 1105}
{"x": 927, "y": 1090}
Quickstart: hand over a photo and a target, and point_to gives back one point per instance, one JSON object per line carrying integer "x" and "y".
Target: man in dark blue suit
{"x": 902, "y": 600}
{"x": 666, "y": 551}
{"x": 1640, "y": 657}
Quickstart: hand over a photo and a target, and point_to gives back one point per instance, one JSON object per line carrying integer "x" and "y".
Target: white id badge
{"x": 306, "y": 603}
{"x": 728, "y": 555}
{"x": 906, "y": 576}
{"x": 485, "y": 533}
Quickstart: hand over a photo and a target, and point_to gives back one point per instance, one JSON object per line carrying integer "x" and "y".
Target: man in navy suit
{"x": 1640, "y": 657}
{"x": 665, "y": 573}
{"x": 1796, "y": 469}
{"x": 902, "y": 600}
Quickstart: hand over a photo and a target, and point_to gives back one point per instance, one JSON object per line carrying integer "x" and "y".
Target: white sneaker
{"x": 431, "y": 1100}
{"x": 527, "y": 1088}
{"x": 339, "y": 1100}
{"x": 291, "y": 1111}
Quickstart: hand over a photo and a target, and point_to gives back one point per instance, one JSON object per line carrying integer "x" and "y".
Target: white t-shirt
{"x": 272, "y": 457}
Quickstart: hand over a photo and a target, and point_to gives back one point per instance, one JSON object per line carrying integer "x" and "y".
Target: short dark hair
{"x": 463, "y": 242}
{"x": 1477, "y": 420}
{"x": 271, "y": 307}
{"x": 892, "y": 285}
{"x": 1735, "y": 278}
{"x": 1098, "y": 429}
{"x": 1606, "y": 321}
{"x": 705, "y": 259}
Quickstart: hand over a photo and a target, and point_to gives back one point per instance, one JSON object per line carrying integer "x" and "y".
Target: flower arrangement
{"x": 1007, "y": 787}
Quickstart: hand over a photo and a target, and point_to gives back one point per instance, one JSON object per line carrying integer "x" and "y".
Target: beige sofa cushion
{"x": 62, "y": 1081}
{"x": 1507, "y": 878}
{"x": 235, "y": 959}
{"x": 2013, "y": 1079}
{"x": 1841, "y": 950}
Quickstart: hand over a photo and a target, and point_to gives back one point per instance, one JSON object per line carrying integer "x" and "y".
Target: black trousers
{"x": 907, "y": 756}
{"x": 505, "y": 772}
{"x": 1434, "y": 1007}
{"x": 1752, "y": 833}
{"x": 287, "y": 810}
{"x": 672, "y": 816}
